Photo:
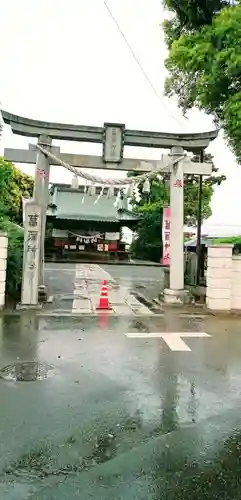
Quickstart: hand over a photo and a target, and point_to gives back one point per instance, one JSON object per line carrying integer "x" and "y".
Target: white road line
{"x": 175, "y": 343}
{"x": 173, "y": 340}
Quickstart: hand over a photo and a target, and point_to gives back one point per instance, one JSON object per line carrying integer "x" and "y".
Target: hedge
{"x": 15, "y": 256}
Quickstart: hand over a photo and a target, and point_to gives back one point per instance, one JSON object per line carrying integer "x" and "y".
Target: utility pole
{"x": 199, "y": 223}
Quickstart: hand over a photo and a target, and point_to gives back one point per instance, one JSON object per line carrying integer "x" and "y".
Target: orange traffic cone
{"x": 104, "y": 301}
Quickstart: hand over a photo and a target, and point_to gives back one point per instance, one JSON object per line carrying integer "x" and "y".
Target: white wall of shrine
{"x": 3, "y": 267}
{"x": 223, "y": 279}
{"x": 60, "y": 233}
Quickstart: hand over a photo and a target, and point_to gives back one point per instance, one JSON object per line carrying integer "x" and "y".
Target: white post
{"x": 176, "y": 292}
{"x": 219, "y": 277}
{"x": 32, "y": 241}
{"x": 236, "y": 283}
{"x": 41, "y": 194}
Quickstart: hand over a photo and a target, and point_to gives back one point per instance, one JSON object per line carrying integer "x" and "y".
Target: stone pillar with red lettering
{"x": 176, "y": 293}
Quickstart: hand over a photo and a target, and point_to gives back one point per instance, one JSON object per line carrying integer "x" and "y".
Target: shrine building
{"x": 84, "y": 222}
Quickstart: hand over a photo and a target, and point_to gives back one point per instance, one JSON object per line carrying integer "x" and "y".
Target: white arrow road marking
{"x": 173, "y": 340}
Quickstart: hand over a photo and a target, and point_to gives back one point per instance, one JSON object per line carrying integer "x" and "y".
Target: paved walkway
{"x": 105, "y": 416}
{"x": 87, "y": 287}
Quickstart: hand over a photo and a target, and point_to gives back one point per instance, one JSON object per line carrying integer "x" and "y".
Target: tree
{"x": 204, "y": 61}
{"x": 147, "y": 245}
{"x": 148, "y": 242}
{"x": 15, "y": 254}
{"x": 14, "y": 185}
{"x": 190, "y": 15}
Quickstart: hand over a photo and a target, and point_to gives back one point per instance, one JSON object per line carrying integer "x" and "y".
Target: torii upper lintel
{"x": 69, "y": 132}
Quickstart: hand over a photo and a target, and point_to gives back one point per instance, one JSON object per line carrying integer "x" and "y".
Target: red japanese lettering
{"x": 178, "y": 183}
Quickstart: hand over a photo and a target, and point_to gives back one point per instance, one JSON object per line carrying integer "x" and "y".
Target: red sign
{"x": 166, "y": 226}
{"x": 113, "y": 246}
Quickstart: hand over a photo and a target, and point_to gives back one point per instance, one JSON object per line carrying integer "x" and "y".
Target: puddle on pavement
{"x": 27, "y": 372}
{"x": 140, "y": 326}
{"x": 113, "y": 285}
{"x": 67, "y": 296}
{"x": 105, "y": 448}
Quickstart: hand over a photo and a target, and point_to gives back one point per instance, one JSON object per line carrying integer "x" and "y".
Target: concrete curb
{"x": 63, "y": 314}
{"x": 103, "y": 263}
{"x": 148, "y": 303}
{"x": 157, "y": 310}
{"x": 69, "y": 314}
{"x": 115, "y": 316}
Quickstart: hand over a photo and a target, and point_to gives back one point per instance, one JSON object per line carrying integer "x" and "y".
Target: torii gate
{"x": 114, "y": 137}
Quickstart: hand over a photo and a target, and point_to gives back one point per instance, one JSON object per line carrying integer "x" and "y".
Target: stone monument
{"x": 31, "y": 256}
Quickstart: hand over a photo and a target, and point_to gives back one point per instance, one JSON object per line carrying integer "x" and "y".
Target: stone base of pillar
{"x": 2, "y": 299}
{"x": 176, "y": 297}
{"x": 32, "y": 307}
{"x": 43, "y": 296}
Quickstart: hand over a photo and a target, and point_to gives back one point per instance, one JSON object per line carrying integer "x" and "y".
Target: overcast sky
{"x": 67, "y": 62}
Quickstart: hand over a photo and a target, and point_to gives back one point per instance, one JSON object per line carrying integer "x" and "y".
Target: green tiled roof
{"x": 74, "y": 204}
{"x": 86, "y": 217}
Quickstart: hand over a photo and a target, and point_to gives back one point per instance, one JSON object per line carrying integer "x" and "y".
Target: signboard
{"x": 31, "y": 259}
{"x": 112, "y": 236}
{"x": 166, "y": 226}
{"x": 102, "y": 247}
{"x": 113, "y": 143}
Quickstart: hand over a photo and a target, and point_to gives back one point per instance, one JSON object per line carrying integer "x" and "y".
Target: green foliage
{"x": 160, "y": 192}
{"x": 13, "y": 185}
{"x": 233, "y": 240}
{"x": 15, "y": 253}
{"x": 190, "y": 15}
{"x": 147, "y": 245}
{"x": 149, "y": 231}
{"x": 204, "y": 62}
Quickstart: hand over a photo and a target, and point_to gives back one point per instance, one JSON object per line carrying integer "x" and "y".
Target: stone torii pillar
{"x": 176, "y": 294}
{"x": 41, "y": 194}
{"x": 177, "y": 221}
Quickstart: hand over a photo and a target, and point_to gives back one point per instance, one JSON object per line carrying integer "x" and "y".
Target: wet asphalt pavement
{"x": 145, "y": 280}
{"x": 98, "y": 415}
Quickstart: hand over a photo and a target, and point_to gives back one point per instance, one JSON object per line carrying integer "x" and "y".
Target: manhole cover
{"x": 27, "y": 372}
